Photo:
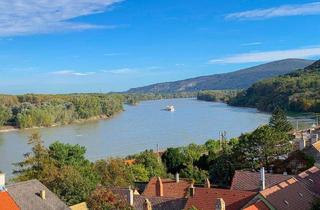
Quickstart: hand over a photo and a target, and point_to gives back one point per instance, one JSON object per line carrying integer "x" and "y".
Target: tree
{"x": 151, "y": 163}
{"x": 262, "y": 146}
{"x": 114, "y": 173}
{"x": 5, "y": 115}
{"x": 221, "y": 171}
{"x": 194, "y": 173}
{"x": 174, "y": 160}
{"x": 35, "y": 162}
{"x": 104, "y": 199}
{"x": 139, "y": 173}
{"x": 279, "y": 120}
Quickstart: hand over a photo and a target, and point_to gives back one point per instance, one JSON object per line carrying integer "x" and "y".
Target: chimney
{"x": 130, "y": 196}
{"x": 159, "y": 187}
{"x": 207, "y": 183}
{"x": 177, "y": 178}
{"x": 262, "y": 178}
{"x": 285, "y": 173}
{"x": 220, "y": 204}
{"x": 302, "y": 144}
{"x": 43, "y": 194}
{"x": 147, "y": 205}
{"x": 192, "y": 190}
{"x": 2, "y": 181}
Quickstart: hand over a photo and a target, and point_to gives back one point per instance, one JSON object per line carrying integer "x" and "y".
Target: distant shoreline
{"x": 7, "y": 129}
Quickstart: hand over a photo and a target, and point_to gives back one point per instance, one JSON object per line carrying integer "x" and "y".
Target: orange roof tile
{"x": 205, "y": 198}
{"x": 171, "y": 188}
{"x": 259, "y": 205}
{"x": 6, "y": 202}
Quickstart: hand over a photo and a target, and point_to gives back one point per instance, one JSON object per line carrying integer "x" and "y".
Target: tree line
{"x": 296, "y": 92}
{"x": 217, "y": 95}
{"x": 31, "y": 110}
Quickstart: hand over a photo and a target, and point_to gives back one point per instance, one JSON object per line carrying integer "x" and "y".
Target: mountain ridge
{"x": 239, "y": 79}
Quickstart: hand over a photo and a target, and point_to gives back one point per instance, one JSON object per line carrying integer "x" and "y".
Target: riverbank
{"x": 6, "y": 129}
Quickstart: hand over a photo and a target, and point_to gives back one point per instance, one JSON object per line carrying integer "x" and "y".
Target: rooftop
{"x": 6, "y": 202}
{"x": 171, "y": 188}
{"x": 290, "y": 194}
{"x": 205, "y": 198}
{"x": 27, "y": 196}
{"x": 250, "y": 181}
{"x": 311, "y": 179}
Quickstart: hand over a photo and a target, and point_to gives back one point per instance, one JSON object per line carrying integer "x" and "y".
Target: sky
{"x": 63, "y": 46}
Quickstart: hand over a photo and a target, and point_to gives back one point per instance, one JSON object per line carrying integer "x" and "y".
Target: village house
{"x": 28, "y": 195}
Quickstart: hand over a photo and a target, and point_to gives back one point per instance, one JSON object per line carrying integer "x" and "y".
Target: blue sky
{"x": 63, "y": 46}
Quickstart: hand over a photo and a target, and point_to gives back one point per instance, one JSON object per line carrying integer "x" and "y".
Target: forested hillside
{"x": 298, "y": 91}
{"x": 234, "y": 80}
{"x": 27, "y": 111}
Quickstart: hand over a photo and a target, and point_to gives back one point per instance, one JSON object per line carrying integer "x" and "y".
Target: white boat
{"x": 170, "y": 108}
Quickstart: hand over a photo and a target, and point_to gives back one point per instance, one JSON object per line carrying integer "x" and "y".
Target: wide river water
{"x": 140, "y": 127}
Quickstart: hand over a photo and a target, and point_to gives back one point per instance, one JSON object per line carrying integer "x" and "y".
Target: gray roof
{"x": 27, "y": 196}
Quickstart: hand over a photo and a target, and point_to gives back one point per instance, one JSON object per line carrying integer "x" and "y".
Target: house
{"x": 314, "y": 151}
{"x": 173, "y": 188}
{"x": 296, "y": 193}
{"x": 218, "y": 199}
{"x": 141, "y": 202}
{"x": 29, "y": 195}
{"x": 251, "y": 181}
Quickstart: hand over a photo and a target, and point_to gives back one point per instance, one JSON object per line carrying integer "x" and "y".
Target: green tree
{"x": 174, "y": 159}
{"x": 194, "y": 173}
{"x": 5, "y": 115}
{"x": 221, "y": 171}
{"x": 279, "y": 120}
{"x": 139, "y": 173}
{"x": 152, "y": 163}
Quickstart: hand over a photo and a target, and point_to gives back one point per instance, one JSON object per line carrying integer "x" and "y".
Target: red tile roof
{"x": 259, "y": 205}
{"x": 250, "y": 181}
{"x": 290, "y": 194}
{"x": 171, "y": 188}
{"x": 205, "y": 198}
{"x": 311, "y": 179}
{"x": 6, "y": 202}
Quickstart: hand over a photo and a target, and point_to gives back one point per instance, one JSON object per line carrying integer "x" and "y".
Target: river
{"x": 140, "y": 127}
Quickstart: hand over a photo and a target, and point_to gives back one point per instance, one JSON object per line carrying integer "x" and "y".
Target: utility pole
{"x": 158, "y": 153}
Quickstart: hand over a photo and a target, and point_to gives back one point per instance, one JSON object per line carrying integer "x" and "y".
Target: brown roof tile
{"x": 205, "y": 198}
{"x": 290, "y": 194}
{"x": 250, "y": 181}
{"x": 311, "y": 179}
{"x": 171, "y": 188}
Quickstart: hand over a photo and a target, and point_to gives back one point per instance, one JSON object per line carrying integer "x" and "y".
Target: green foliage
{"x": 114, "y": 173}
{"x": 5, "y": 115}
{"x": 279, "y": 121}
{"x": 262, "y": 146}
{"x": 139, "y": 173}
{"x": 152, "y": 163}
{"x": 46, "y": 110}
{"x": 194, "y": 173}
{"x": 174, "y": 159}
{"x": 221, "y": 170}
{"x": 217, "y": 95}
{"x": 63, "y": 168}
{"x": 297, "y": 92}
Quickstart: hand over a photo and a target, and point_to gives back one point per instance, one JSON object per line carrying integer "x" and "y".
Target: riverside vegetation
{"x": 298, "y": 91}
{"x": 64, "y": 169}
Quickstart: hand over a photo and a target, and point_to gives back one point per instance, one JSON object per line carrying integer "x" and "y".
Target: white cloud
{"x": 22, "y": 17}
{"x": 120, "y": 71}
{"x": 281, "y": 11}
{"x": 72, "y": 73}
{"x": 268, "y": 56}
{"x": 251, "y": 44}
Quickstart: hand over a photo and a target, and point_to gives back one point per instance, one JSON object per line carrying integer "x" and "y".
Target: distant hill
{"x": 298, "y": 91}
{"x": 234, "y": 80}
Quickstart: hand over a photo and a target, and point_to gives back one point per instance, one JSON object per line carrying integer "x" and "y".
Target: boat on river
{"x": 170, "y": 108}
